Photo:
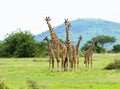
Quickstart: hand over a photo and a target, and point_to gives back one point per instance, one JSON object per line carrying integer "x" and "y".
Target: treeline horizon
{"x": 21, "y": 44}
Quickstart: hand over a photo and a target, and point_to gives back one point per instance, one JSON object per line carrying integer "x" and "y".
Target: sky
{"x": 29, "y": 14}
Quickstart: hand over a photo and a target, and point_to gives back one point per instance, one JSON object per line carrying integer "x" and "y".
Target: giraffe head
{"x": 47, "y": 19}
{"x": 46, "y": 38}
{"x": 93, "y": 40}
{"x": 66, "y": 21}
{"x": 80, "y": 37}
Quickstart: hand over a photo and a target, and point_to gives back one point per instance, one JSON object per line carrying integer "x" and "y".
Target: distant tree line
{"x": 22, "y": 44}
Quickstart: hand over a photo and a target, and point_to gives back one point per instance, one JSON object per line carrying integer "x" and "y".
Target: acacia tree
{"x": 102, "y": 40}
{"x": 97, "y": 48}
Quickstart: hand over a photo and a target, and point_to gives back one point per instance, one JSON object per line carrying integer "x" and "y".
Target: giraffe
{"x": 51, "y": 53}
{"x": 88, "y": 54}
{"x": 59, "y": 48}
{"x": 77, "y": 50}
{"x": 71, "y": 49}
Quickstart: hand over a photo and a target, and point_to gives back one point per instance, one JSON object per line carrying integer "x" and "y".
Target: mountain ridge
{"x": 88, "y": 28}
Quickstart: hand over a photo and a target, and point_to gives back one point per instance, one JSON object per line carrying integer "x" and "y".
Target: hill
{"x": 88, "y": 28}
{"x": 1, "y": 41}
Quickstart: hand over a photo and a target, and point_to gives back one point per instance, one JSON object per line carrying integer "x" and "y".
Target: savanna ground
{"x": 15, "y": 72}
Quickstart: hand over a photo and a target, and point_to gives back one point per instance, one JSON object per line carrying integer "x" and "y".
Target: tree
{"x": 102, "y": 39}
{"x": 2, "y": 50}
{"x": 116, "y": 48}
{"x": 41, "y": 49}
{"x": 20, "y": 44}
{"x": 97, "y": 48}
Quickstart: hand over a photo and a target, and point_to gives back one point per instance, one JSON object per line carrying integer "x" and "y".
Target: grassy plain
{"x": 14, "y": 72}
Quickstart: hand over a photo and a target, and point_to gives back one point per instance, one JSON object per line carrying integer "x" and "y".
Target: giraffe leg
{"x": 49, "y": 63}
{"x": 74, "y": 64}
{"x": 88, "y": 62}
{"x": 58, "y": 61}
{"x": 66, "y": 63}
{"x": 62, "y": 63}
{"x": 85, "y": 61}
{"x": 71, "y": 61}
{"x": 78, "y": 62}
{"x": 52, "y": 64}
{"x": 63, "y": 67}
{"x": 70, "y": 65}
{"x": 91, "y": 62}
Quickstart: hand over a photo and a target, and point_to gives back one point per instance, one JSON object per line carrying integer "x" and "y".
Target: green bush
{"x": 113, "y": 65}
{"x": 22, "y": 44}
{"x": 116, "y": 48}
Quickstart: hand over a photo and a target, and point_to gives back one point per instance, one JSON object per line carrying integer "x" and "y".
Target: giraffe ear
{"x": 46, "y": 18}
{"x": 66, "y": 20}
{"x": 49, "y": 18}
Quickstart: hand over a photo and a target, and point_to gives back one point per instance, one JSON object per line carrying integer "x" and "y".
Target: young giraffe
{"x": 77, "y": 50}
{"x": 51, "y": 53}
{"x": 59, "y": 48}
{"x": 88, "y": 54}
{"x": 71, "y": 49}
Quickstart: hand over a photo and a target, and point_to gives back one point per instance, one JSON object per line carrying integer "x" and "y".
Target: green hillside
{"x": 88, "y": 28}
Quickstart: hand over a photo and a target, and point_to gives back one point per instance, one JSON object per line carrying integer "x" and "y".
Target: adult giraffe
{"x": 51, "y": 52}
{"x": 71, "y": 49}
{"x": 88, "y": 54}
{"x": 59, "y": 48}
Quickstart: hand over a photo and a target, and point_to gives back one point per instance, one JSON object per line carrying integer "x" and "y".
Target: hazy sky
{"x": 30, "y": 14}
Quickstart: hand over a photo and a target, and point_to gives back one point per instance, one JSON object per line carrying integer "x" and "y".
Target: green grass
{"x": 15, "y": 72}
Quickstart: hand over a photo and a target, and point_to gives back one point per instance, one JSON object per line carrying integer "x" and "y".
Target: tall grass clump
{"x": 32, "y": 84}
{"x": 3, "y": 86}
{"x": 113, "y": 65}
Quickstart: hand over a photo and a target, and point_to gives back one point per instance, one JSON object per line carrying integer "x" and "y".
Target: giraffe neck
{"x": 67, "y": 35}
{"x": 77, "y": 46}
{"x": 53, "y": 35}
{"x": 91, "y": 47}
{"x": 49, "y": 43}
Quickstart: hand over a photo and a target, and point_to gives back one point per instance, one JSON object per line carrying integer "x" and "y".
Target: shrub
{"x": 113, "y": 65}
{"x": 32, "y": 84}
{"x": 116, "y": 48}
